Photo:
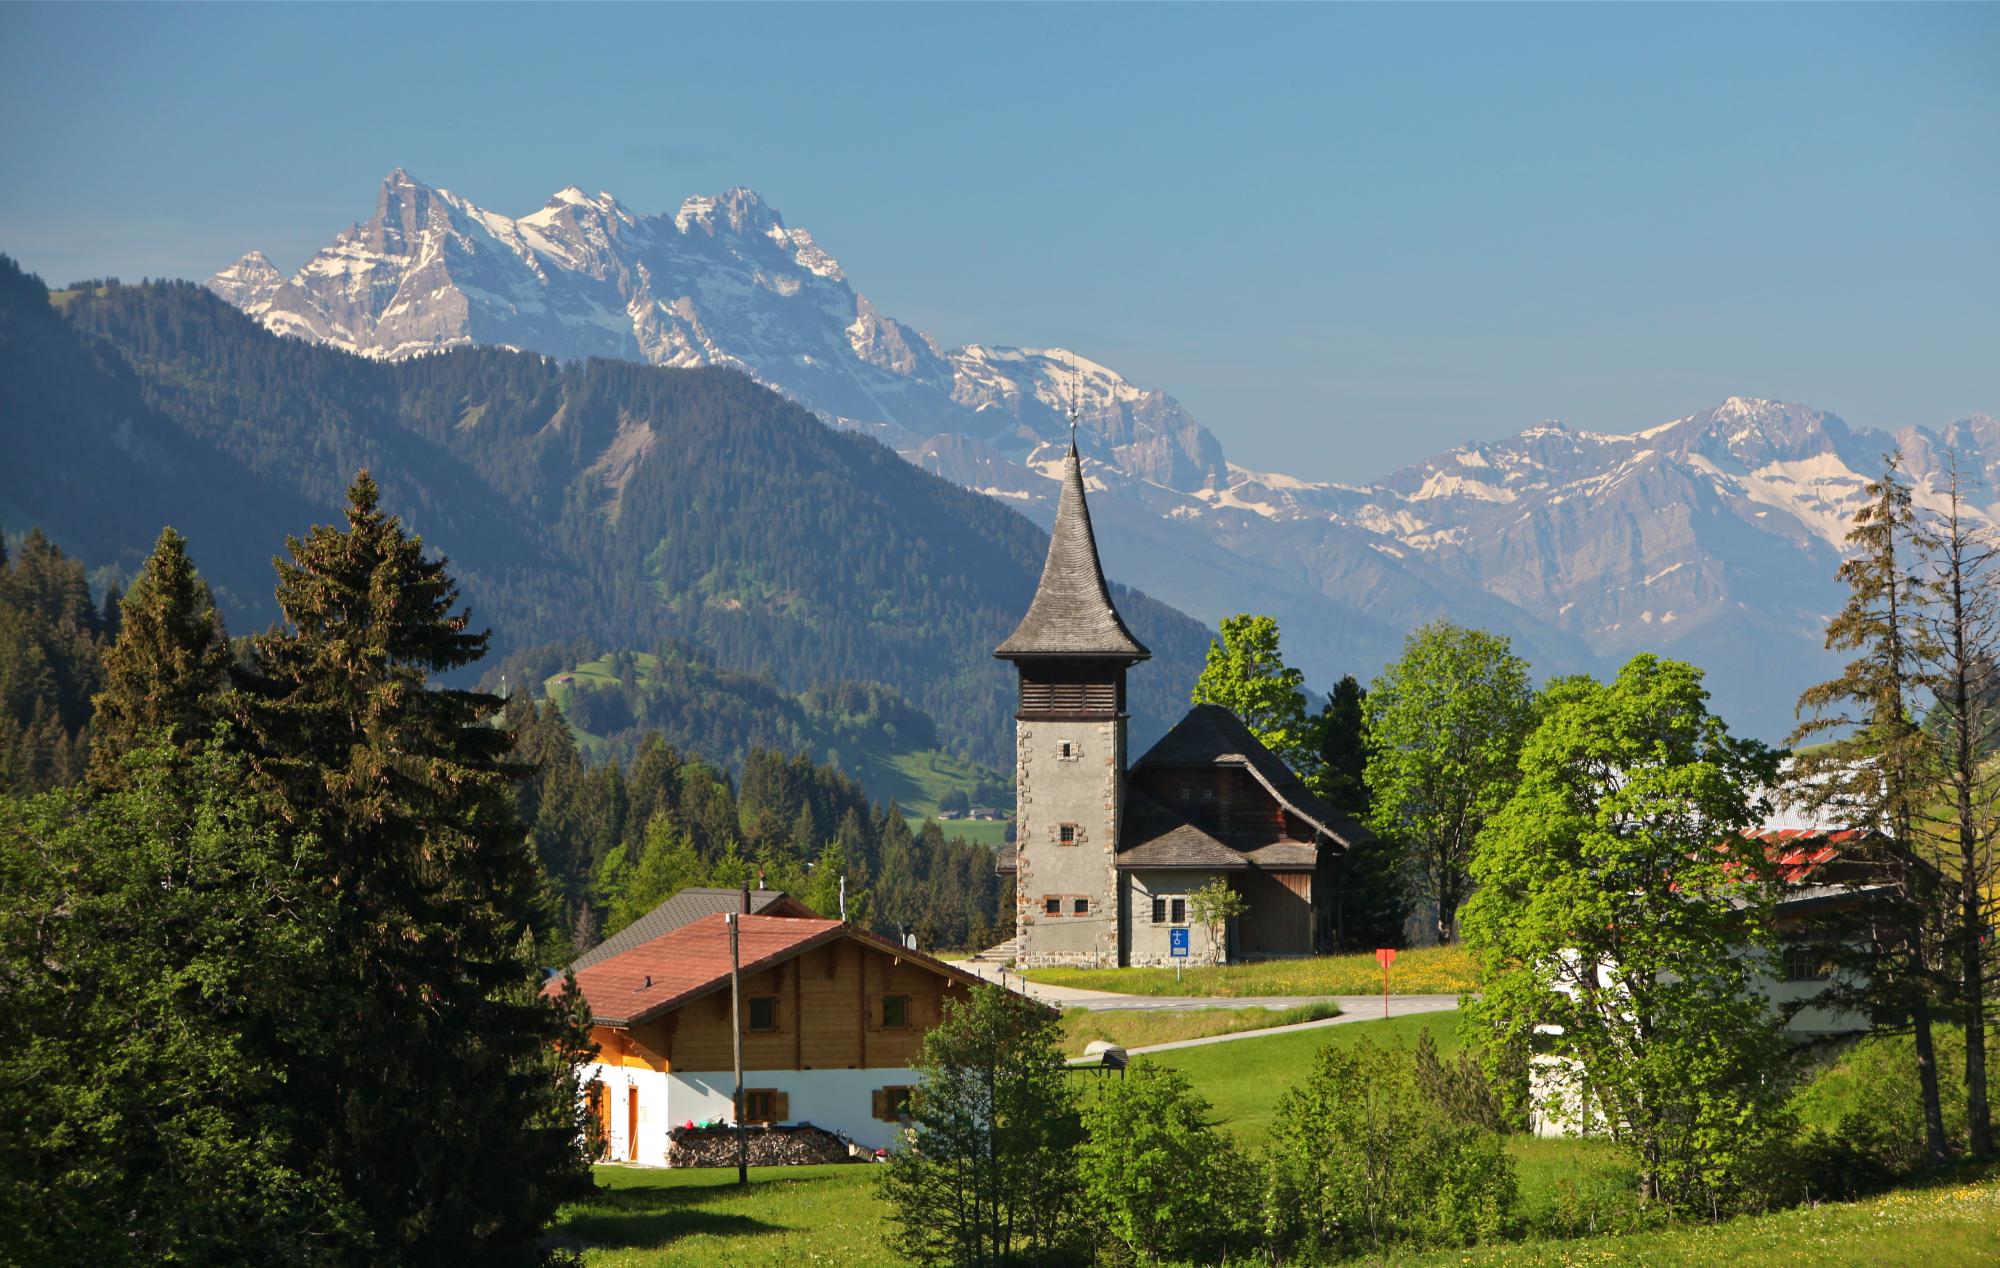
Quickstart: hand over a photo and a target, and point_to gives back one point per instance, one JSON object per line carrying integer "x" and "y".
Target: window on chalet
{"x": 1184, "y": 793}
{"x": 1177, "y": 911}
{"x": 1159, "y": 910}
{"x": 1808, "y": 961}
{"x": 765, "y": 1105}
{"x": 895, "y": 1012}
{"x": 763, "y": 1012}
{"x": 1052, "y": 906}
{"x": 1081, "y": 907}
{"x": 1066, "y": 834}
{"x": 892, "y": 1103}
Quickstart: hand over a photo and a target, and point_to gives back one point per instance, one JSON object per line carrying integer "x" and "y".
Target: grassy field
{"x": 1941, "y": 1226}
{"x": 1138, "y": 1028}
{"x": 788, "y": 1215}
{"x": 831, "y": 1215}
{"x": 1418, "y": 971}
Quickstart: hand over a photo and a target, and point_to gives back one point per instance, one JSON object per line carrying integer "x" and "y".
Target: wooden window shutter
{"x": 781, "y": 1107}
{"x": 881, "y": 1104}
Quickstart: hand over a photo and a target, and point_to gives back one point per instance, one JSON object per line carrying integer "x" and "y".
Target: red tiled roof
{"x": 693, "y": 960}
{"x": 1798, "y": 852}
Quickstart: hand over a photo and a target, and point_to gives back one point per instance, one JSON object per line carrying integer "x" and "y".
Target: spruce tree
{"x": 1871, "y": 773}
{"x": 1368, "y": 906}
{"x": 164, "y": 674}
{"x": 440, "y": 1080}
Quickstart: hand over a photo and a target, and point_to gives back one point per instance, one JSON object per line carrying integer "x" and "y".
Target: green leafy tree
{"x": 1213, "y": 906}
{"x": 160, "y": 942}
{"x": 1165, "y": 1184}
{"x": 1871, "y": 767}
{"x": 1247, "y": 675}
{"x": 440, "y": 1082}
{"x": 1620, "y": 920}
{"x": 987, "y": 1175}
{"x": 1445, "y": 725}
{"x": 165, "y": 674}
{"x": 1361, "y": 1160}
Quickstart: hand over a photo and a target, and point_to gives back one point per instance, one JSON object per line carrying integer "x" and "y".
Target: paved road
{"x": 1352, "y": 1007}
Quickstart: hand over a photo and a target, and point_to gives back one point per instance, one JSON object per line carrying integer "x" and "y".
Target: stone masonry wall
{"x": 1084, "y": 790}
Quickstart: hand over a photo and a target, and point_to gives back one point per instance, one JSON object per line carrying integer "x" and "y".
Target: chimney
{"x": 746, "y": 896}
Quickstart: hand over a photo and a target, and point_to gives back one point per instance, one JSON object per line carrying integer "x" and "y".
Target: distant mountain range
{"x": 1712, "y": 537}
{"x": 587, "y": 507}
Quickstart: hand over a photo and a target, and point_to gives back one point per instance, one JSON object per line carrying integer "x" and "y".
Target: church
{"x": 1106, "y": 855}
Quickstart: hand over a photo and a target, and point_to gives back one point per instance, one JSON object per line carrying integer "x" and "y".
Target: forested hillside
{"x": 632, "y": 506}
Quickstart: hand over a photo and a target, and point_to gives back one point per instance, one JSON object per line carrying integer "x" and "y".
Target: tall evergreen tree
{"x": 440, "y": 1080}
{"x": 1369, "y": 910}
{"x": 164, "y": 675}
{"x": 1963, "y": 819}
{"x": 1871, "y": 772}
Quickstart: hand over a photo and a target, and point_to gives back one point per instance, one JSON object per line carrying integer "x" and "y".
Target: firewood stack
{"x": 767, "y": 1146}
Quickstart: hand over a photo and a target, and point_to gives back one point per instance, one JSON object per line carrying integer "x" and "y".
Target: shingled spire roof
{"x": 1072, "y": 613}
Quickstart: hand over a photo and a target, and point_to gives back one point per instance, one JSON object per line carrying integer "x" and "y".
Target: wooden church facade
{"x": 1106, "y": 858}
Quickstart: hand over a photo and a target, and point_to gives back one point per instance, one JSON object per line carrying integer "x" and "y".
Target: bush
{"x": 1363, "y": 1159}
{"x": 1164, "y": 1182}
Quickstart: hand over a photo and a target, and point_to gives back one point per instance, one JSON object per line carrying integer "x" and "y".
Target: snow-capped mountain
{"x": 1712, "y": 537}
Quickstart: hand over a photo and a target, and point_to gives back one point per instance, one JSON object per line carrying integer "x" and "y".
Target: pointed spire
{"x": 1072, "y": 614}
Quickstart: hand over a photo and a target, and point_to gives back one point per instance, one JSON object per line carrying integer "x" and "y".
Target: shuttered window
{"x": 1065, "y": 689}
{"x": 766, "y": 1105}
{"x": 891, "y": 1103}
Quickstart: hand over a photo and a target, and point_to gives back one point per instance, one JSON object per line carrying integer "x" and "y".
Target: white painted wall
{"x": 836, "y": 1100}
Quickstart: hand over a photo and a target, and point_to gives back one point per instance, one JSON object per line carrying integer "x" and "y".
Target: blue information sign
{"x": 1178, "y": 942}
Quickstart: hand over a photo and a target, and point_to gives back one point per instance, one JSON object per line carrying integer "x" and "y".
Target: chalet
{"x": 1835, "y": 887}
{"x": 1106, "y": 858}
{"x": 833, "y": 1020}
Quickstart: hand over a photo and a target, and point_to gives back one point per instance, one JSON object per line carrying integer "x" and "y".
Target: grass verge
{"x": 1139, "y": 1027}
{"x": 1418, "y": 971}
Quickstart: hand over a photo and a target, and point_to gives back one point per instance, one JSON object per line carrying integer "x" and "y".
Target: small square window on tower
{"x": 1067, "y": 749}
{"x": 1052, "y": 906}
{"x": 1066, "y": 834}
{"x": 1081, "y": 907}
{"x": 1159, "y": 910}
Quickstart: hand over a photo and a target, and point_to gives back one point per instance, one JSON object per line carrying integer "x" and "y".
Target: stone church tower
{"x": 1072, "y": 651}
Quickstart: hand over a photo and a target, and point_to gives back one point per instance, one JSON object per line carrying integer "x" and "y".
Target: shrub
{"x": 1164, "y": 1182}
{"x": 1362, "y": 1159}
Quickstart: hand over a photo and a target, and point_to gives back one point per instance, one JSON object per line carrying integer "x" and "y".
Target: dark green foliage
{"x": 1458, "y": 1085}
{"x": 51, "y": 649}
{"x": 160, "y": 955}
{"x": 989, "y": 1175}
{"x": 434, "y": 1075}
{"x": 1368, "y": 893}
{"x": 743, "y": 526}
{"x": 166, "y": 670}
{"x": 1160, "y": 1181}
{"x": 1363, "y": 1160}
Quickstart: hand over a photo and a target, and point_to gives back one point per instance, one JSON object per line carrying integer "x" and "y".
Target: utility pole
{"x": 736, "y": 1040}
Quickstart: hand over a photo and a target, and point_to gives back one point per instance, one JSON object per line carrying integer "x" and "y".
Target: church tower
{"x": 1072, "y": 651}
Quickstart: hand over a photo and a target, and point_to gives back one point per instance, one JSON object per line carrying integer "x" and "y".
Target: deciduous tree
{"x": 987, "y": 1175}
{"x": 1247, "y": 675}
{"x": 1162, "y": 1182}
{"x": 1445, "y": 725}
{"x": 1620, "y": 918}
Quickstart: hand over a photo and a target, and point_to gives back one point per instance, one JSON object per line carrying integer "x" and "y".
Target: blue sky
{"x": 1344, "y": 236}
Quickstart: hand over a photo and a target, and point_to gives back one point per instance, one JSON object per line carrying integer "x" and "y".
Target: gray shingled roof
{"x": 1211, "y": 735}
{"x": 684, "y": 908}
{"x": 1154, "y": 836}
{"x": 1072, "y": 613}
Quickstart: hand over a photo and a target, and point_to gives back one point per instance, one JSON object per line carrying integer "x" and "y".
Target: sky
{"x": 1345, "y": 237}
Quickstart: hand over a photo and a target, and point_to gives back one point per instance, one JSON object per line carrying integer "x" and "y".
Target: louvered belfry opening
{"x": 1071, "y": 689}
